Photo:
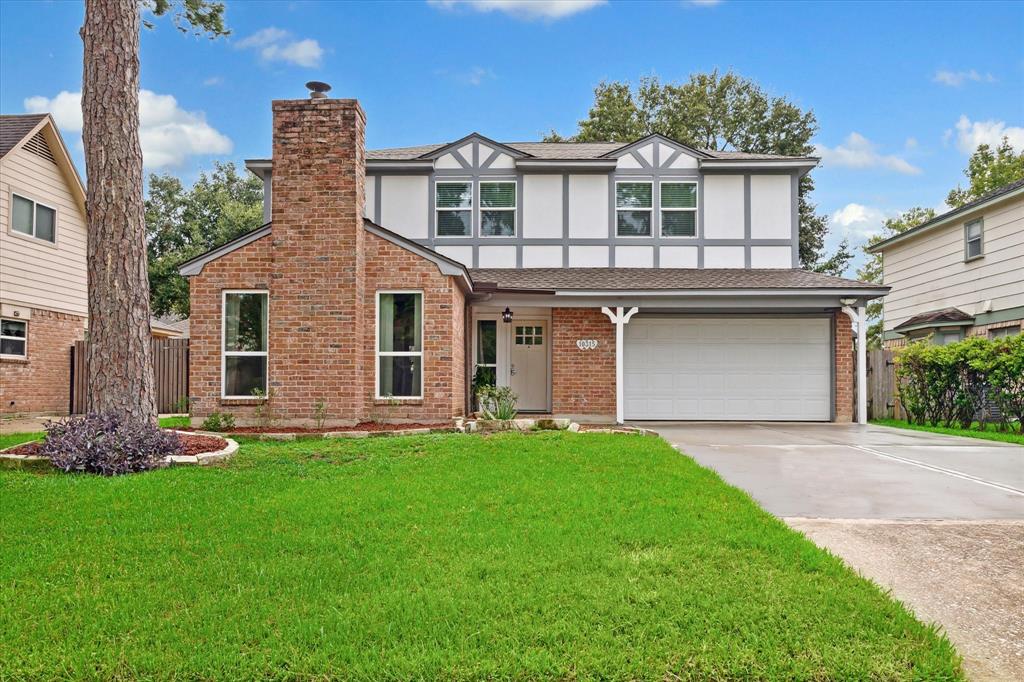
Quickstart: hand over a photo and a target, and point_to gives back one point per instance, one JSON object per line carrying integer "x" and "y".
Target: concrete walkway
{"x": 938, "y": 520}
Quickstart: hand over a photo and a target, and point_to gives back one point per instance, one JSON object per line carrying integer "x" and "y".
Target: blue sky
{"x": 902, "y": 92}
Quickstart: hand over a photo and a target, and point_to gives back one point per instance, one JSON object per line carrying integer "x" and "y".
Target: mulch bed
{"x": 191, "y": 445}
{"x": 362, "y": 426}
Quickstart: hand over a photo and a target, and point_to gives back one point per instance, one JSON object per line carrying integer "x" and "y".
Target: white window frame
{"x": 662, "y": 209}
{"x": 640, "y": 181}
{"x": 471, "y": 208}
{"x": 240, "y": 353}
{"x": 35, "y": 206}
{"x": 23, "y": 356}
{"x": 378, "y": 353}
{"x": 476, "y": 344}
{"x": 515, "y": 217}
{"x": 980, "y": 222}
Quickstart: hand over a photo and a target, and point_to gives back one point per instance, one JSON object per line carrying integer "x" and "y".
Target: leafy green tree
{"x": 720, "y": 112}
{"x": 871, "y": 270}
{"x": 182, "y": 223}
{"x": 987, "y": 170}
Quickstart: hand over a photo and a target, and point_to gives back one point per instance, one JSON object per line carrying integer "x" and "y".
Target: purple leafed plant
{"x": 108, "y": 444}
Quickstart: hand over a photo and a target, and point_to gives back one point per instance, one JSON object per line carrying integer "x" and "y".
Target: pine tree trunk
{"x": 120, "y": 357}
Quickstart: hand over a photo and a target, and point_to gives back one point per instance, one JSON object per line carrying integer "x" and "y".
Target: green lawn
{"x": 990, "y": 432}
{"x": 434, "y": 557}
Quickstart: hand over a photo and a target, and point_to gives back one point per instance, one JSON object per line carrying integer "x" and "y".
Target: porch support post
{"x": 619, "y": 317}
{"x": 859, "y": 316}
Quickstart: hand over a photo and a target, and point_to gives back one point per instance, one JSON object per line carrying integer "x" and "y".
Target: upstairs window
{"x": 973, "y": 242}
{"x": 497, "y": 209}
{"x": 453, "y": 203}
{"x": 33, "y": 219}
{"x": 245, "y": 343}
{"x": 679, "y": 209}
{"x": 13, "y": 337}
{"x": 633, "y": 208}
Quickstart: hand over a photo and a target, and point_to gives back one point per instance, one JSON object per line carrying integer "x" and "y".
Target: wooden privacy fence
{"x": 170, "y": 372}
{"x": 883, "y": 401}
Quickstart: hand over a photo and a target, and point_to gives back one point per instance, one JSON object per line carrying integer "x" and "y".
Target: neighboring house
{"x": 600, "y": 281}
{"x": 168, "y": 327}
{"x": 43, "y": 282}
{"x": 960, "y": 274}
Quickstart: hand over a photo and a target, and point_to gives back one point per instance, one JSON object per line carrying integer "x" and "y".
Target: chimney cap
{"x": 318, "y": 89}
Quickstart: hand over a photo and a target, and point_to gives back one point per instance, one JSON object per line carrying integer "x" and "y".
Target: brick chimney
{"x": 317, "y": 283}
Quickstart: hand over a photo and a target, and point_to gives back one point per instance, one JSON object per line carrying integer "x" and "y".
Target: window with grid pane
{"x": 497, "y": 209}
{"x": 453, "y": 203}
{"x": 633, "y": 208}
{"x": 529, "y": 336}
{"x": 679, "y": 209}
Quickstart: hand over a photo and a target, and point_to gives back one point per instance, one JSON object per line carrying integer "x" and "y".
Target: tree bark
{"x": 120, "y": 356}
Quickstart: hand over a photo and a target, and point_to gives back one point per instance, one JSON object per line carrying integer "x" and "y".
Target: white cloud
{"x": 970, "y": 134}
{"x": 213, "y": 80}
{"x": 702, "y": 3}
{"x": 549, "y": 10}
{"x": 474, "y": 76}
{"x": 168, "y": 134}
{"x": 857, "y": 222}
{"x": 857, "y": 151}
{"x": 277, "y": 45}
{"x": 910, "y": 144}
{"x": 955, "y": 79}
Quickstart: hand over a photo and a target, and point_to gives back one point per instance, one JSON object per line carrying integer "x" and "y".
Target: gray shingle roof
{"x": 14, "y": 127}
{"x": 936, "y": 316}
{"x": 560, "y": 151}
{"x": 647, "y": 279}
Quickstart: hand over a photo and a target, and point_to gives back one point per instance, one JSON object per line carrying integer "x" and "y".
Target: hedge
{"x": 952, "y": 385}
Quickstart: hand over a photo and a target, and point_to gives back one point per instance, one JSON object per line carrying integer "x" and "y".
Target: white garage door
{"x": 728, "y": 368}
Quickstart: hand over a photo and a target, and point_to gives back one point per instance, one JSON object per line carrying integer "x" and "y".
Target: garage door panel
{"x": 728, "y": 368}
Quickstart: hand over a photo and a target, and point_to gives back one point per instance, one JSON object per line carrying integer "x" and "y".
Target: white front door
{"x": 528, "y": 364}
{"x": 728, "y": 368}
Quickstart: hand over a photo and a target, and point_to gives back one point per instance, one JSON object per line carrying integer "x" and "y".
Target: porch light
{"x": 506, "y": 315}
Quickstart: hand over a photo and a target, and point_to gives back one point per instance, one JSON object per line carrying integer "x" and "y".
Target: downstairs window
{"x": 13, "y": 338}
{"x": 244, "y": 361}
{"x": 399, "y": 344}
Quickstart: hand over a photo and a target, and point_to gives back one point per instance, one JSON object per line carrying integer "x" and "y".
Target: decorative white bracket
{"x": 620, "y": 318}
{"x": 859, "y": 317}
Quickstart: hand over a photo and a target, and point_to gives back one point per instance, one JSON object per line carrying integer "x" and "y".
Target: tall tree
{"x": 120, "y": 376}
{"x": 720, "y": 112}
{"x": 182, "y": 223}
{"x": 871, "y": 270}
{"x": 987, "y": 170}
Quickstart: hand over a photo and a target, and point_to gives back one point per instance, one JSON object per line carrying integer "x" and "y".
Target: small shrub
{"x": 320, "y": 413}
{"x": 264, "y": 412}
{"x": 497, "y": 402}
{"x": 219, "y": 421}
{"x": 108, "y": 444}
{"x": 183, "y": 405}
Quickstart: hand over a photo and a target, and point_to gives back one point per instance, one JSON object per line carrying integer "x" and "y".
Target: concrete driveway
{"x": 938, "y": 520}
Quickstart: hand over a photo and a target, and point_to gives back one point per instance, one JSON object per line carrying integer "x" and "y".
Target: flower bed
{"x": 195, "y": 449}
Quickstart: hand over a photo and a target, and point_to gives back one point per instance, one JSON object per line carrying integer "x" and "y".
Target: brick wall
{"x": 844, "y": 368}
{"x": 582, "y": 381}
{"x": 41, "y": 384}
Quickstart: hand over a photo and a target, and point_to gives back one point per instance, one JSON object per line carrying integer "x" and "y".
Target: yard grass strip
{"x": 989, "y": 433}
{"x": 512, "y": 556}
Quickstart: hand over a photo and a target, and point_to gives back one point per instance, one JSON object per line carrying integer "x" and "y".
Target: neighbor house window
{"x": 633, "y": 208}
{"x": 33, "y": 219}
{"x": 486, "y": 353}
{"x": 454, "y": 208}
{"x": 497, "y": 209}
{"x": 399, "y": 345}
{"x": 1003, "y": 332}
{"x": 973, "y": 237}
{"x": 13, "y": 337}
{"x": 679, "y": 209}
{"x": 245, "y": 343}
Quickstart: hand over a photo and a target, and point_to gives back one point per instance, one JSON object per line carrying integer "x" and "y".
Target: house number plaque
{"x": 586, "y": 344}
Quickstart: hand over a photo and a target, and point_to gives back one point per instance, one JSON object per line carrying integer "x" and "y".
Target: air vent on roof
{"x": 318, "y": 89}
{"x": 37, "y": 145}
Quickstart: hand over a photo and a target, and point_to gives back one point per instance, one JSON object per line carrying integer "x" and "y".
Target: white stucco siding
{"x": 588, "y": 256}
{"x": 370, "y": 195}
{"x": 542, "y": 206}
{"x": 497, "y": 257}
{"x": 447, "y": 162}
{"x": 34, "y": 272}
{"x": 771, "y": 257}
{"x": 678, "y": 257}
{"x": 723, "y": 207}
{"x": 634, "y": 256}
{"x": 547, "y": 256}
{"x": 463, "y": 254}
{"x": 588, "y": 206}
{"x": 724, "y": 257}
{"x": 928, "y": 272}
{"x": 404, "y": 205}
{"x": 771, "y": 207}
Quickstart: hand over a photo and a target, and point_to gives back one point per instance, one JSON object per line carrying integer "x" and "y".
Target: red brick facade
{"x": 582, "y": 381}
{"x": 41, "y": 383}
{"x": 845, "y": 388}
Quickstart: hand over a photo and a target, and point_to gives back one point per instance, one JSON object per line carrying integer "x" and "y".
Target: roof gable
{"x": 17, "y": 133}
{"x": 469, "y": 139}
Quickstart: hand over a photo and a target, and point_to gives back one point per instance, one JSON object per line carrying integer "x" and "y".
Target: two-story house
{"x": 601, "y": 281}
{"x": 959, "y": 274}
{"x": 43, "y": 280}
